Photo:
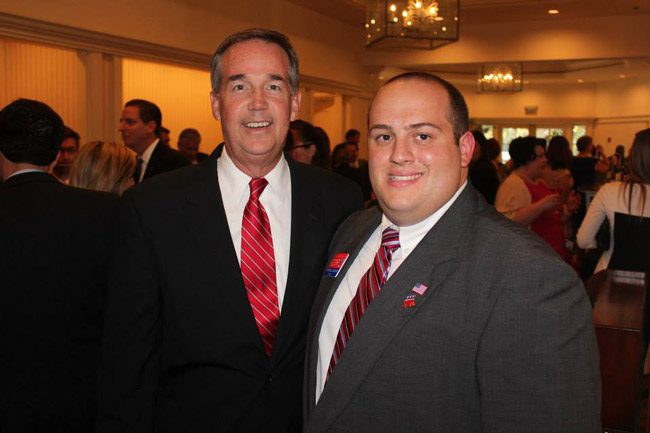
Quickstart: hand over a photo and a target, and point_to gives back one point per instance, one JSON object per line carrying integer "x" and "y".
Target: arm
{"x": 537, "y": 364}
{"x": 586, "y": 237}
{"x": 514, "y": 202}
{"x": 129, "y": 368}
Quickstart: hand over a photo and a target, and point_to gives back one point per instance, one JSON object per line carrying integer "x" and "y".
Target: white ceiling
{"x": 474, "y": 12}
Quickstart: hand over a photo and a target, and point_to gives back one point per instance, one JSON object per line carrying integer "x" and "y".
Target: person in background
{"x": 629, "y": 197}
{"x": 585, "y": 165}
{"x": 308, "y": 144}
{"x": 482, "y": 171}
{"x": 164, "y": 136}
{"x": 527, "y": 200}
{"x": 104, "y": 166}
{"x": 140, "y": 126}
{"x": 189, "y": 142}
{"x": 55, "y": 250}
{"x": 322, "y": 140}
{"x": 618, "y": 164}
{"x": 69, "y": 150}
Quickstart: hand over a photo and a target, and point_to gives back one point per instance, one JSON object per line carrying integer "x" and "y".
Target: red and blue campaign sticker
{"x": 336, "y": 264}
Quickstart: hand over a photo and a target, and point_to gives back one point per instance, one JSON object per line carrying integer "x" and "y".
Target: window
{"x": 507, "y": 135}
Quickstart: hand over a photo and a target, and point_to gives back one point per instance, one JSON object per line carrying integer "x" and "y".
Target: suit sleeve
{"x": 537, "y": 363}
{"x": 129, "y": 368}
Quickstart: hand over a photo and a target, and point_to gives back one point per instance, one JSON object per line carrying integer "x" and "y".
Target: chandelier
{"x": 500, "y": 77}
{"x": 423, "y": 24}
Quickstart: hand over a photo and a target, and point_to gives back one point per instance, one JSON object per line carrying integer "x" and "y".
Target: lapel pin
{"x": 336, "y": 264}
{"x": 409, "y": 302}
{"x": 419, "y": 288}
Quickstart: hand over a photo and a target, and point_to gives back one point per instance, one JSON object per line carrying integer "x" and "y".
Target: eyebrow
{"x": 273, "y": 77}
{"x": 409, "y": 127}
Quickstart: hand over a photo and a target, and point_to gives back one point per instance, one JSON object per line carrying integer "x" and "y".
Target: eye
{"x": 238, "y": 87}
{"x": 275, "y": 87}
{"x": 382, "y": 137}
{"x": 423, "y": 137}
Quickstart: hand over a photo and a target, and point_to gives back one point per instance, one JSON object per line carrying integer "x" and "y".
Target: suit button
{"x": 269, "y": 378}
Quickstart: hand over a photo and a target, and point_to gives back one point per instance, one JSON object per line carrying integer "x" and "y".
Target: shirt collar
{"x": 237, "y": 181}
{"x": 146, "y": 155}
{"x": 27, "y": 170}
{"x": 410, "y": 236}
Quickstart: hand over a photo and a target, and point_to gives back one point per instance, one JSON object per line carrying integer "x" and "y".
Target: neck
{"x": 524, "y": 173}
{"x": 10, "y": 168}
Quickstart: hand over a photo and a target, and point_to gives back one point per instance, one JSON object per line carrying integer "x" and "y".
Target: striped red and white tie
{"x": 368, "y": 288}
{"x": 258, "y": 265}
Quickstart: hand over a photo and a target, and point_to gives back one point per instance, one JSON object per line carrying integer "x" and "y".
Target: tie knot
{"x": 390, "y": 239}
{"x": 257, "y": 186}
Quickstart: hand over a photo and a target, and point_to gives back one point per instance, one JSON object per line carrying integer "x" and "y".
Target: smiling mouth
{"x": 256, "y": 125}
{"x": 404, "y": 178}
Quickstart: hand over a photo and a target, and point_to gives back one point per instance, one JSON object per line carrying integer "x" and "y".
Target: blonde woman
{"x": 104, "y": 166}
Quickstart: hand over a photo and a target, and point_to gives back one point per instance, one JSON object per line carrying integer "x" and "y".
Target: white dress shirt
{"x": 276, "y": 199}
{"x": 146, "y": 156}
{"x": 409, "y": 238}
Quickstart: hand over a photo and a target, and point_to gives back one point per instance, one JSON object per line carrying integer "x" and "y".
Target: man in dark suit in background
{"x": 218, "y": 265}
{"x": 445, "y": 317}
{"x": 54, "y": 255}
{"x": 189, "y": 141}
{"x": 140, "y": 126}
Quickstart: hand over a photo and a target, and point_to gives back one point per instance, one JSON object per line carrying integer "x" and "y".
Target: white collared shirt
{"x": 27, "y": 170}
{"x": 409, "y": 238}
{"x": 276, "y": 199}
{"x": 146, "y": 156}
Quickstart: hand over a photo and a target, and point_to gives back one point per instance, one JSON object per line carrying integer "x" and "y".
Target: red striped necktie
{"x": 368, "y": 288}
{"x": 258, "y": 265}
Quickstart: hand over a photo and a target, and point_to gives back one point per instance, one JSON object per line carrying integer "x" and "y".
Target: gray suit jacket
{"x": 501, "y": 341}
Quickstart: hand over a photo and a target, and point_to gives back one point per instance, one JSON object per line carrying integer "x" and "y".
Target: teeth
{"x": 257, "y": 124}
{"x": 396, "y": 178}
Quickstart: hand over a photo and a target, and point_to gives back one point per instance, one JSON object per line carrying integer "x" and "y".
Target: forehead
{"x": 69, "y": 143}
{"x": 254, "y": 57}
{"x": 131, "y": 112}
{"x": 410, "y": 101}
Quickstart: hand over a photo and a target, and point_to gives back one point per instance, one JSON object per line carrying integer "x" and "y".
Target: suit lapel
{"x": 209, "y": 228}
{"x": 429, "y": 264}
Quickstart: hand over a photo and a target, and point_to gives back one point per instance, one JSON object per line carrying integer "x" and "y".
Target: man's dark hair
{"x": 458, "y": 113}
{"x": 270, "y": 36}
{"x": 148, "y": 112}
{"x": 351, "y": 133}
{"x": 522, "y": 150}
{"x": 163, "y": 129}
{"x": 190, "y": 134}
{"x": 584, "y": 142}
{"x": 71, "y": 133}
{"x": 30, "y": 132}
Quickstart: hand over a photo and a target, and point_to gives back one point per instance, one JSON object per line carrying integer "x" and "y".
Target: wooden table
{"x": 618, "y": 313}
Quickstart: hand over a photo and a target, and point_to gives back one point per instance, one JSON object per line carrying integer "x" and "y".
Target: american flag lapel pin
{"x": 419, "y": 288}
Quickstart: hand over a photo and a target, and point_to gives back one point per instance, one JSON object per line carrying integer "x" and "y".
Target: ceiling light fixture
{"x": 553, "y": 11}
{"x": 500, "y": 77}
{"x": 423, "y": 24}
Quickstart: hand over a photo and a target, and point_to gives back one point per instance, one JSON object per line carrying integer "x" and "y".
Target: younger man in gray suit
{"x": 462, "y": 321}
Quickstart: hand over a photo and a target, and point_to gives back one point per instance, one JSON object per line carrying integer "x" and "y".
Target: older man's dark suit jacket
{"x": 501, "y": 341}
{"x": 182, "y": 350}
{"x": 54, "y": 255}
{"x": 164, "y": 159}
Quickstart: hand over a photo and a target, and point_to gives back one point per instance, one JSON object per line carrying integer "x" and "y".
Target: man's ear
{"x": 296, "y": 100}
{"x": 214, "y": 104}
{"x": 466, "y": 145}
